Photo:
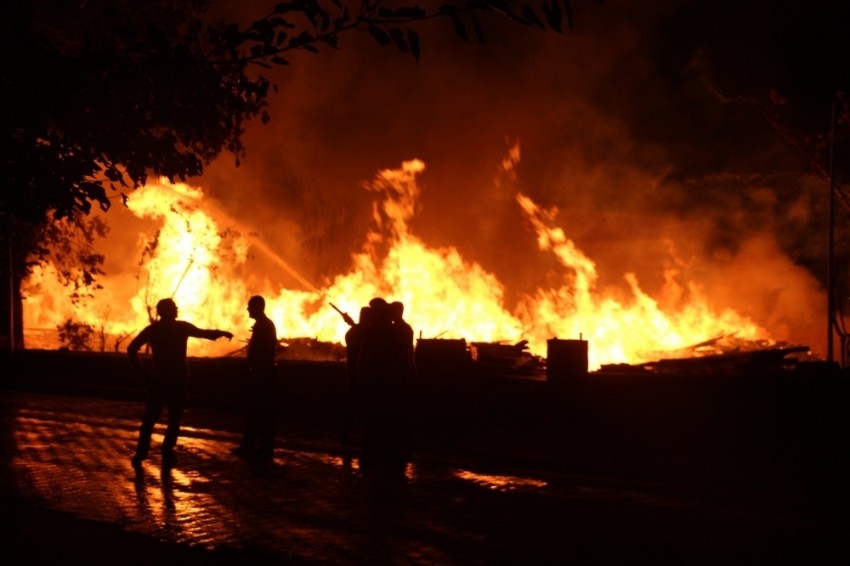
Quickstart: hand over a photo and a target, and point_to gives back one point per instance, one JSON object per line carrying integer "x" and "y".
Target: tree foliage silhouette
{"x": 106, "y": 92}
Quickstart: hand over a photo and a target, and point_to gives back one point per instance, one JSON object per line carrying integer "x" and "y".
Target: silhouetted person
{"x": 384, "y": 382}
{"x": 167, "y": 338}
{"x": 259, "y": 435}
{"x": 397, "y": 314}
{"x": 353, "y": 340}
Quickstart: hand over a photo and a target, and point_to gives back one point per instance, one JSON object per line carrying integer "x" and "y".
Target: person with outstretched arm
{"x": 167, "y": 338}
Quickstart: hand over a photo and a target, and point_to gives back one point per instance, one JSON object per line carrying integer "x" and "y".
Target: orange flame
{"x": 634, "y": 328}
{"x": 193, "y": 259}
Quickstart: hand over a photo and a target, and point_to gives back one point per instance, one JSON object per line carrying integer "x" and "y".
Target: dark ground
{"x": 505, "y": 472}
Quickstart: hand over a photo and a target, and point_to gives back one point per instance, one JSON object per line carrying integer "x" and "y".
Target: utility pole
{"x": 830, "y": 284}
{"x": 10, "y": 260}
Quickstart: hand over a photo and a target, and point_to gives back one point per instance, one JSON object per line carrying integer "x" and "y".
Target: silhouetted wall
{"x": 769, "y": 430}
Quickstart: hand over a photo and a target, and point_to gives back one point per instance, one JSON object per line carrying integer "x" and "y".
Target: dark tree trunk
{"x": 12, "y": 268}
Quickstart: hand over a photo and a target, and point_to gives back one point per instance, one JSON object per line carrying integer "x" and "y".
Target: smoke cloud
{"x": 618, "y": 127}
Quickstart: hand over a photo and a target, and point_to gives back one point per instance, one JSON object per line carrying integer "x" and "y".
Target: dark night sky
{"x": 621, "y": 126}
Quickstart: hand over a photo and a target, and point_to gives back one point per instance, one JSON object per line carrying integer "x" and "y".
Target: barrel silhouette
{"x": 565, "y": 360}
{"x": 442, "y": 358}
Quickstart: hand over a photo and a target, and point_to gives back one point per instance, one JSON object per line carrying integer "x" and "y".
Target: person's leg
{"x": 176, "y": 403}
{"x": 248, "y": 446}
{"x": 397, "y": 439}
{"x": 267, "y": 415}
{"x": 254, "y": 433}
{"x": 266, "y": 422}
{"x": 370, "y": 449}
{"x": 153, "y": 408}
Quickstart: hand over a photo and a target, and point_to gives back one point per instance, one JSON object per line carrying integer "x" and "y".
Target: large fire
{"x": 203, "y": 264}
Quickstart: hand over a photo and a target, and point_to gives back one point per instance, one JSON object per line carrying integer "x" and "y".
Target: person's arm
{"x": 208, "y": 334}
{"x": 223, "y": 334}
{"x": 135, "y": 345}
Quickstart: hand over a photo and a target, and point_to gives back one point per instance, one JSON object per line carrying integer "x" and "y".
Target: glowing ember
{"x": 202, "y": 264}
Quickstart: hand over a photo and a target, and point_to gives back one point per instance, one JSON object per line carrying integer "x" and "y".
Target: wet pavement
{"x": 69, "y": 492}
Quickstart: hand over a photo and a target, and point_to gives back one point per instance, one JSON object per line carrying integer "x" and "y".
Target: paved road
{"x": 69, "y": 492}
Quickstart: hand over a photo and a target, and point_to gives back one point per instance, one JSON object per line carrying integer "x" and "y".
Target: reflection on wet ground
{"x": 311, "y": 504}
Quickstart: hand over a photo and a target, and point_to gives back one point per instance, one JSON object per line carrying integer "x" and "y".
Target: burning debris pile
{"x": 769, "y": 360}
{"x": 722, "y": 355}
{"x": 506, "y": 358}
{"x": 302, "y": 349}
